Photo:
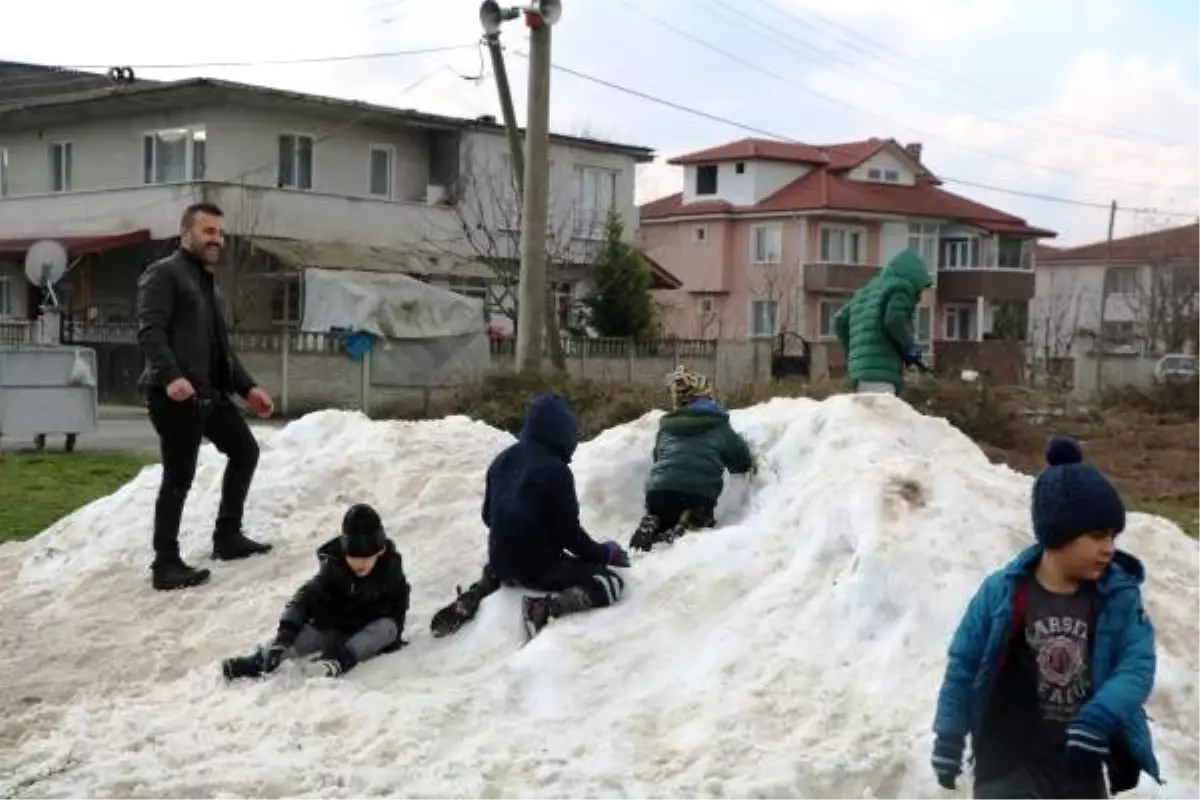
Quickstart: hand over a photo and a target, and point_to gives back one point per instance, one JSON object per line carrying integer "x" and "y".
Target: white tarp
{"x": 389, "y": 305}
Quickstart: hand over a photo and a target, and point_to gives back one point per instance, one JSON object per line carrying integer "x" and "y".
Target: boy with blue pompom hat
{"x": 1051, "y": 665}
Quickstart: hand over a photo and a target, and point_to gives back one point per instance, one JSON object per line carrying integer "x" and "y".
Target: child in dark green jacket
{"x": 694, "y": 447}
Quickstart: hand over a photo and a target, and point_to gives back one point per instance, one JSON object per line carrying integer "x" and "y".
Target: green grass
{"x": 1185, "y": 515}
{"x": 36, "y": 489}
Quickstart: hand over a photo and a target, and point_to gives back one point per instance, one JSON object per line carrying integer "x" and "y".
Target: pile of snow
{"x": 795, "y": 651}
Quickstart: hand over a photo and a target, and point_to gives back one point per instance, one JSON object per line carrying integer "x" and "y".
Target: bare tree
{"x": 1054, "y": 316}
{"x": 776, "y": 283}
{"x": 1167, "y": 302}
{"x": 487, "y": 230}
{"x": 244, "y": 217}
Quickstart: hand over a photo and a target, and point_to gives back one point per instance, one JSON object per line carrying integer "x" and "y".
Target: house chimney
{"x": 486, "y": 119}
{"x": 914, "y": 150}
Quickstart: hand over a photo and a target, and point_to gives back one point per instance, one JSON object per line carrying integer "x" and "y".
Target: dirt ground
{"x": 1153, "y": 460}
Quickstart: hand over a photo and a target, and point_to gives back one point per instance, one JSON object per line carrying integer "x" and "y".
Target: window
{"x": 706, "y": 179}
{"x": 595, "y": 196}
{"x": 763, "y": 318}
{"x": 924, "y": 326}
{"x": 286, "y": 300}
{"x": 380, "y": 170}
{"x": 960, "y": 323}
{"x": 295, "y": 162}
{"x": 60, "y": 167}
{"x": 6, "y": 293}
{"x": 891, "y": 176}
{"x": 173, "y": 155}
{"x": 1122, "y": 280}
{"x": 740, "y": 168}
{"x": 960, "y": 253}
{"x": 923, "y": 240}
{"x": 841, "y": 245}
{"x": 3, "y": 172}
{"x": 766, "y": 244}
{"x": 1118, "y": 334}
{"x": 1012, "y": 254}
{"x": 700, "y": 234}
{"x": 874, "y": 174}
{"x": 829, "y": 310}
{"x": 706, "y": 305}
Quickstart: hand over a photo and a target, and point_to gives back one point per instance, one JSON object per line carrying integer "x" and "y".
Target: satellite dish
{"x": 45, "y": 265}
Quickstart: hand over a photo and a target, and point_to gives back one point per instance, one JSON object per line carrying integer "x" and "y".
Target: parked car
{"x": 1175, "y": 367}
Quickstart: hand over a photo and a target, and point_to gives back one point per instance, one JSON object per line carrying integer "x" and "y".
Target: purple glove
{"x": 615, "y": 555}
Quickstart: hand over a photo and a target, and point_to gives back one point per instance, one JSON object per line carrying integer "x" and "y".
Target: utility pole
{"x": 1100, "y": 337}
{"x": 515, "y": 150}
{"x": 531, "y": 313}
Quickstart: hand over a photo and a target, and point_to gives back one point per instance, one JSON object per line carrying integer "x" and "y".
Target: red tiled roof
{"x": 1173, "y": 243}
{"x": 826, "y": 187}
{"x": 836, "y": 156}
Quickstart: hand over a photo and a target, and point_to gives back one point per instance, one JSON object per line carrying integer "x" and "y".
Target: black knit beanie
{"x": 362, "y": 532}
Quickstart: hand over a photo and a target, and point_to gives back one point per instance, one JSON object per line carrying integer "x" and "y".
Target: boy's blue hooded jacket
{"x": 1123, "y": 657}
{"x": 529, "y": 503}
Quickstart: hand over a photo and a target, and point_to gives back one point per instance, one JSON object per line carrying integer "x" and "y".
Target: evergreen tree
{"x": 621, "y": 306}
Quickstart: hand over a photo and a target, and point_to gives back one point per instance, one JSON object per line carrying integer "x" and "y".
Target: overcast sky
{"x": 1091, "y": 100}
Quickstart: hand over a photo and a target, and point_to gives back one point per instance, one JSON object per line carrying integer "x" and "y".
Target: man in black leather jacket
{"x": 190, "y": 373}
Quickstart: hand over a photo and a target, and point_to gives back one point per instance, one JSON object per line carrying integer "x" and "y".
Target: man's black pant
{"x": 602, "y": 586}
{"x": 181, "y": 427}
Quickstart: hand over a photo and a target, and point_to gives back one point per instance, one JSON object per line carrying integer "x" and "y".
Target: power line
{"x": 281, "y": 61}
{"x": 840, "y": 101}
{"x": 781, "y": 137}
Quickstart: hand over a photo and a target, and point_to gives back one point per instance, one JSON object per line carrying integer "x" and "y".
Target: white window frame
{"x": 831, "y": 333}
{"x": 951, "y": 310}
{"x": 753, "y": 318}
{"x": 891, "y": 176}
{"x": 192, "y": 133}
{"x": 772, "y": 241}
{"x": 700, "y": 234}
{"x": 923, "y": 238}
{"x": 312, "y": 161}
{"x": 390, "y": 152}
{"x": 716, "y": 180}
{"x": 3, "y": 172}
{"x": 589, "y": 217}
{"x": 874, "y": 174}
{"x": 823, "y": 257}
{"x": 962, "y": 247}
{"x": 60, "y": 178}
{"x": 707, "y": 304}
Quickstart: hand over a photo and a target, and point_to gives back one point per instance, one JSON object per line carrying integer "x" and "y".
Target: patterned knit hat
{"x": 684, "y": 385}
{"x": 1071, "y": 498}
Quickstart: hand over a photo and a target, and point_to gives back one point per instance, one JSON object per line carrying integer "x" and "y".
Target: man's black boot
{"x": 236, "y": 545}
{"x": 169, "y": 573}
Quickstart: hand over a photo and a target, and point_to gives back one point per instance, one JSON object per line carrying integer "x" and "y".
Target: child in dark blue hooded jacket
{"x": 535, "y": 538}
{"x": 1050, "y": 667}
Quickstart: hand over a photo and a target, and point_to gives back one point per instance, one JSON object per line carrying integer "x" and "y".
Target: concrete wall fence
{"x": 305, "y": 371}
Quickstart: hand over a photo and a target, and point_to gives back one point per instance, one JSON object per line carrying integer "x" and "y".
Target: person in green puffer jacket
{"x": 694, "y": 446}
{"x": 876, "y": 326}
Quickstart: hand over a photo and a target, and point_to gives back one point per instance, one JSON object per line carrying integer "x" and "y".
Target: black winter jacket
{"x": 529, "y": 504}
{"x": 179, "y": 318}
{"x": 335, "y": 599}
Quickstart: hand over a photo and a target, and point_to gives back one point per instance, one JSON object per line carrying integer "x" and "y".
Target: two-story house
{"x": 305, "y": 181}
{"x": 772, "y": 237}
{"x": 1138, "y": 295}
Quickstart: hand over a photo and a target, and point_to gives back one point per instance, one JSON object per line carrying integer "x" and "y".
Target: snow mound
{"x": 794, "y": 651}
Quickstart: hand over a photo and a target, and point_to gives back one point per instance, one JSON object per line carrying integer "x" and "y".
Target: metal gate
{"x": 118, "y": 358}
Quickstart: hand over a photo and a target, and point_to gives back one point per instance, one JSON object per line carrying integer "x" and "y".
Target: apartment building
{"x": 1136, "y": 296}
{"x": 771, "y": 237}
{"x": 305, "y": 181}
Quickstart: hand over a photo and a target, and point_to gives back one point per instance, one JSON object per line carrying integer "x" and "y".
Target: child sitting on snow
{"x": 352, "y": 609}
{"x": 1054, "y": 659}
{"x": 694, "y": 446}
{"x": 535, "y": 539}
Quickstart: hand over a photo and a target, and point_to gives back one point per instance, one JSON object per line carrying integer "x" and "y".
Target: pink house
{"x": 771, "y": 237}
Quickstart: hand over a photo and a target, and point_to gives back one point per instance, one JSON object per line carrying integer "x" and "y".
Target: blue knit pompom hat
{"x": 1071, "y": 498}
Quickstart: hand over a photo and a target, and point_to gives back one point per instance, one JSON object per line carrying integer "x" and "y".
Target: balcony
{"x": 829, "y": 278}
{"x": 249, "y": 210}
{"x": 970, "y": 283}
